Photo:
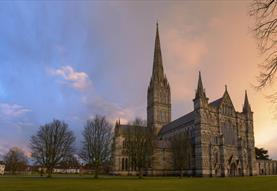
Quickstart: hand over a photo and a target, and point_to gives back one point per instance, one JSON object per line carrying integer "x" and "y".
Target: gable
{"x": 226, "y": 101}
{"x": 226, "y": 106}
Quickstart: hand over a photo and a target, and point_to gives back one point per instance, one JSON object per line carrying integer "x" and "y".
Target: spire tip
{"x": 246, "y": 106}
{"x": 200, "y": 90}
{"x": 157, "y": 25}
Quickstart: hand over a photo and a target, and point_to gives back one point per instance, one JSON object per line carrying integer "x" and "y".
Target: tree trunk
{"x": 140, "y": 173}
{"x": 96, "y": 171}
{"x": 41, "y": 172}
{"x": 49, "y": 172}
{"x": 181, "y": 173}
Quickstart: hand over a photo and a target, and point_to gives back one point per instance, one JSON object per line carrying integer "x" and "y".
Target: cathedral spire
{"x": 246, "y": 105}
{"x": 158, "y": 94}
{"x": 157, "y": 62}
{"x": 200, "y": 90}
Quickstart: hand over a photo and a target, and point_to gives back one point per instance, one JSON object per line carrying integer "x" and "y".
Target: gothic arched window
{"x": 165, "y": 98}
{"x": 124, "y": 144}
{"x": 126, "y": 164}
{"x": 161, "y": 96}
{"x": 161, "y": 116}
{"x": 228, "y": 133}
{"x": 122, "y": 164}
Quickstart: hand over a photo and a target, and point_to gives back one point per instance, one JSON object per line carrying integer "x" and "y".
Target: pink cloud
{"x": 72, "y": 78}
{"x": 13, "y": 110}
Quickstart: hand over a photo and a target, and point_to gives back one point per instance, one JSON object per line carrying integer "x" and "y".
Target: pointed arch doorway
{"x": 233, "y": 169}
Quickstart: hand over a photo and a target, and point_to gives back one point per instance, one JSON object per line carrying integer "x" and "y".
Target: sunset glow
{"x": 71, "y": 61}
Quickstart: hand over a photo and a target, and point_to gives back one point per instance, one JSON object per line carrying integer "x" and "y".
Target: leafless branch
{"x": 139, "y": 145}
{"x": 181, "y": 151}
{"x": 265, "y": 14}
{"x": 97, "y": 142}
{"x": 15, "y": 160}
{"x": 52, "y": 144}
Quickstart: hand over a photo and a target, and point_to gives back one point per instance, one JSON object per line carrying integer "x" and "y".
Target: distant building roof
{"x": 178, "y": 123}
{"x": 124, "y": 127}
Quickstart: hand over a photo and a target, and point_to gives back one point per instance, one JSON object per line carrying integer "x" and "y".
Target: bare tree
{"x": 265, "y": 14}
{"x": 52, "y": 144}
{"x": 181, "y": 149}
{"x": 139, "y": 146}
{"x": 15, "y": 160}
{"x": 97, "y": 143}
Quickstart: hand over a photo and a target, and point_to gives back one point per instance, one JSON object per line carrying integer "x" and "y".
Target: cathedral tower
{"x": 158, "y": 95}
{"x": 201, "y": 147}
{"x": 250, "y": 140}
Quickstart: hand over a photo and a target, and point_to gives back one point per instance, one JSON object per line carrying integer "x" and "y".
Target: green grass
{"x": 85, "y": 183}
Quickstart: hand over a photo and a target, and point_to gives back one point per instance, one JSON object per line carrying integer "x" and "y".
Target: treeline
{"x": 53, "y": 146}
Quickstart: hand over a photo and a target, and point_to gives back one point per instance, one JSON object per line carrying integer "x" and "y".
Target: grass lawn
{"x": 76, "y": 183}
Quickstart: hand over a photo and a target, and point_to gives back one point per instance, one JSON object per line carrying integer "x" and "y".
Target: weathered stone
{"x": 222, "y": 138}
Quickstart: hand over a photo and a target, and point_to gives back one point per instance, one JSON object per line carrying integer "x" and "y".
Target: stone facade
{"x": 266, "y": 167}
{"x": 222, "y": 139}
{"x": 2, "y": 168}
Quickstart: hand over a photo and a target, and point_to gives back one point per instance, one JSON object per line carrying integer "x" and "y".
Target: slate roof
{"x": 122, "y": 128}
{"x": 216, "y": 103}
{"x": 186, "y": 119}
{"x": 178, "y": 123}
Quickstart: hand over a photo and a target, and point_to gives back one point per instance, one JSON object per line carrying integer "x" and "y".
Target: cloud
{"x": 16, "y": 117}
{"x": 13, "y": 110}
{"x": 98, "y": 105}
{"x": 5, "y": 147}
{"x": 72, "y": 78}
{"x": 3, "y": 150}
{"x": 184, "y": 53}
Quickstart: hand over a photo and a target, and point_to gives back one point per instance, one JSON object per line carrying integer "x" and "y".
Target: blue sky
{"x": 72, "y": 60}
{"x": 58, "y": 60}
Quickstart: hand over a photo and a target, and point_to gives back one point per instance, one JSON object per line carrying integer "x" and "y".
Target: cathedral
{"x": 222, "y": 138}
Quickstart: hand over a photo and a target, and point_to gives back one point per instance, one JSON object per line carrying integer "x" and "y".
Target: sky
{"x": 70, "y": 60}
